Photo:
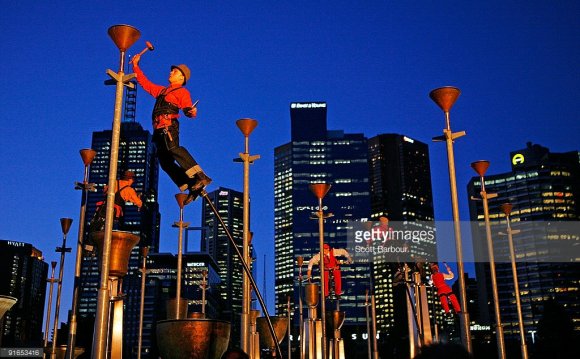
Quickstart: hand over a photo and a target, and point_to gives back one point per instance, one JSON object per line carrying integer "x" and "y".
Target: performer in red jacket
{"x": 330, "y": 264}
{"x": 174, "y": 159}
{"x": 443, "y": 290}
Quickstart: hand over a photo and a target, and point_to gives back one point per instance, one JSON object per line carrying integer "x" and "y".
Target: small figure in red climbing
{"x": 331, "y": 267}
{"x": 443, "y": 290}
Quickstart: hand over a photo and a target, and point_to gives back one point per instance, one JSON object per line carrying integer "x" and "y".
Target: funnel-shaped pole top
{"x": 65, "y": 225}
{"x": 506, "y": 208}
{"x": 246, "y": 125}
{"x": 445, "y": 97}
{"x": 88, "y": 155}
{"x": 53, "y": 264}
{"x": 180, "y": 198}
{"x": 320, "y": 189}
{"x": 144, "y": 251}
{"x": 124, "y": 36}
{"x": 300, "y": 261}
{"x": 480, "y": 167}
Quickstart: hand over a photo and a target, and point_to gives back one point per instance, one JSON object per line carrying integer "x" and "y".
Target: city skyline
{"x": 374, "y": 66}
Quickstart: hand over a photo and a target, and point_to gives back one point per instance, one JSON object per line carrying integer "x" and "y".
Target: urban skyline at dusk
{"x": 374, "y": 66}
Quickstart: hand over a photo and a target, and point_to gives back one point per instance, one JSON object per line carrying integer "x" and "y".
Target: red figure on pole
{"x": 331, "y": 264}
{"x": 443, "y": 290}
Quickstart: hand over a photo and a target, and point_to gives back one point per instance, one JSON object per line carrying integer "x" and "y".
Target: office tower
{"x": 316, "y": 155}
{"x": 229, "y": 203}
{"x": 23, "y": 275}
{"x": 544, "y": 189}
{"x": 400, "y": 189}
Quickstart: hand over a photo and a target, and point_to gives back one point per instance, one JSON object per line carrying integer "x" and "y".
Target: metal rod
{"x": 62, "y": 251}
{"x": 246, "y": 270}
{"x": 72, "y": 334}
{"x": 143, "y": 271}
{"x": 203, "y": 288}
{"x": 300, "y": 306}
{"x": 499, "y": 329}
{"x": 320, "y": 215}
{"x": 102, "y": 317}
{"x": 245, "y": 323}
{"x": 367, "y": 306}
{"x": 47, "y": 324}
{"x": 289, "y": 326}
{"x": 464, "y": 317}
{"x": 374, "y": 327}
{"x": 523, "y": 345}
{"x": 181, "y": 225}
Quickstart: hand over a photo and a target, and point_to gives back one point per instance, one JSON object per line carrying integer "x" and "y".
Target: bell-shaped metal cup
{"x": 311, "y": 294}
{"x": 180, "y": 198}
{"x": 6, "y": 302}
{"x": 65, "y": 224}
{"x": 124, "y": 36}
{"x": 320, "y": 189}
{"x": 480, "y": 167}
{"x": 122, "y": 244}
{"x": 506, "y": 208}
{"x": 334, "y": 320}
{"x": 280, "y": 325}
{"x": 88, "y": 155}
{"x": 445, "y": 97}
{"x": 246, "y": 125}
{"x": 192, "y": 338}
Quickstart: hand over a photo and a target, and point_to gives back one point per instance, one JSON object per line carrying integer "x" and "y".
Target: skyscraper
{"x": 544, "y": 188}
{"x": 229, "y": 204}
{"x": 400, "y": 189}
{"x": 317, "y": 155}
{"x": 22, "y": 276}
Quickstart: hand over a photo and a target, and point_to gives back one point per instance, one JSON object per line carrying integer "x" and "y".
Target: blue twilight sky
{"x": 373, "y": 62}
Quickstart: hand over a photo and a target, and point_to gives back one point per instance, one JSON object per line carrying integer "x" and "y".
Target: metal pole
{"x": 300, "y": 261}
{"x": 203, "y": 288}
{"x": 320, "y": 215}
{"x": 289, "y": 326}
{"x": 481, "y": 167}
{"x": 445, "y": 97}
{"x": 47, "y": 324}
{"x": 180, "y": 200}
{"x": 523, "y": 345}
{"x": 144, "y": 252}
{"x": 374, "y": 327}
{"x": 124, "y": 36}
{"x": 246, "y": 125}
{"x": 87, "y": 156}
{"x": 367, "y": 306}
{"x": 65, "y": 224}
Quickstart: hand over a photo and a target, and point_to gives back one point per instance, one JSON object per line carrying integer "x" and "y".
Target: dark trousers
{"x": 173, "y": 158}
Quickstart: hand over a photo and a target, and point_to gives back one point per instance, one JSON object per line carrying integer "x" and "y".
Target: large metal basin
{"x": 192, "y": 338}
{"x": 280, "y": 325}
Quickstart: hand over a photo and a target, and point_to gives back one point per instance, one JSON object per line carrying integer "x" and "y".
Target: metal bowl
{"x": 192, "y": 338}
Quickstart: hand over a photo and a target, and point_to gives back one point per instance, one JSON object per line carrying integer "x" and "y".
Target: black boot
{"x": 196, "y": 185}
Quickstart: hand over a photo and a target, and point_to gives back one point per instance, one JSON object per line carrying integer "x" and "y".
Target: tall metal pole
{"x": 481, "y": 167}
{"x": 445, "y": 97}
{"x": 203, "y": 288}
{"x": 320, "y": 190}
{"x": 49, "y": 309}
{"x": 288, "y": 306}
{"x": 143, "y": 270}
{"x": 180, "y": 197}
{"x": 124, "y": 36}
{"x": 506, "y": 208}
{"x": 87, "y": 155}
{"x": 246, "y": 125}
{"x": 65, "y": 226}
{"x": 300, "y": 262}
